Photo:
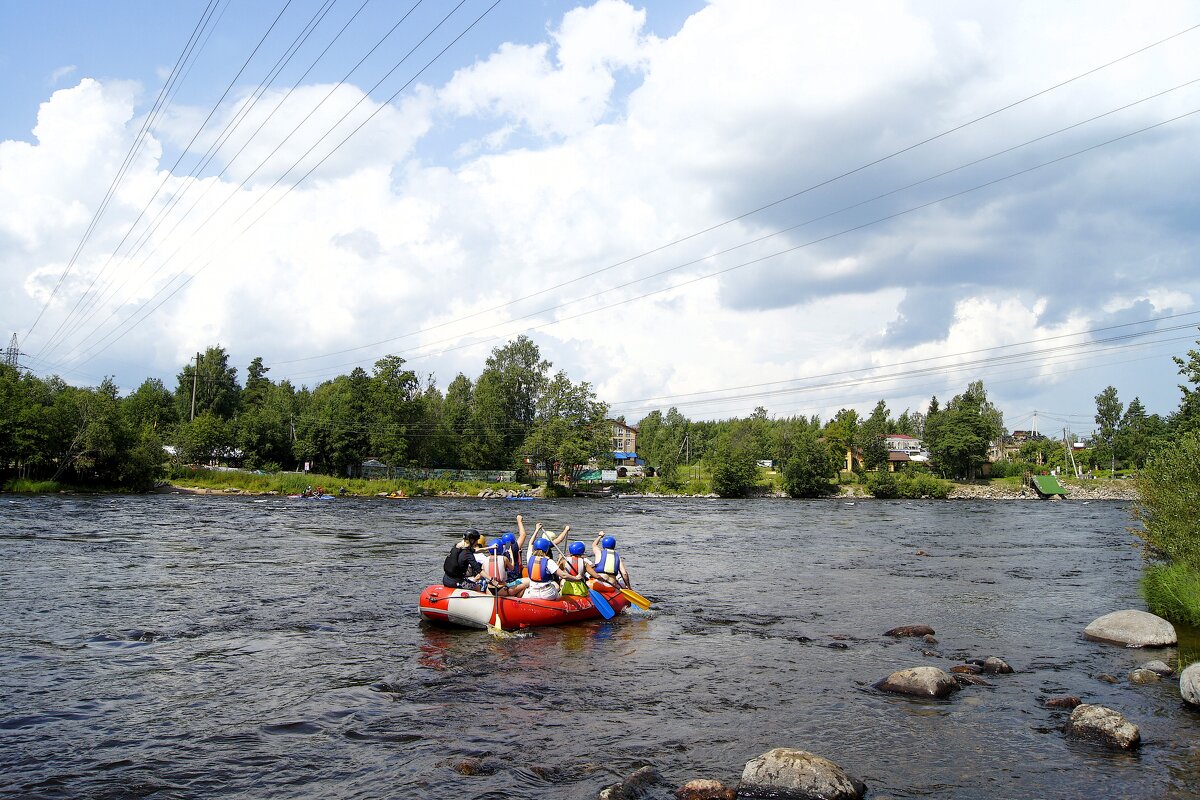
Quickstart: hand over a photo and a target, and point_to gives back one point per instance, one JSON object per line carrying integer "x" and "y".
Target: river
{"x": 181, "y": 646}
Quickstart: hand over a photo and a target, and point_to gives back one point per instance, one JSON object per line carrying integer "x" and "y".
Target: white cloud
{"x": 571, "y": 154}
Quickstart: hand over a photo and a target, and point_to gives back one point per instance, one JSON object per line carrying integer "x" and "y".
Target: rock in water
{"x": 1189, "y": 685}
{"x": 1066, "y": 701}
{"x": 1104, "y": 725}
{"x": 797, "y": 775}
{"x": 701, "y": 789}
{"x": 1158, "y": 667}
{"x": 1132, "y": 628}
{"x": 919, "y": 682}
{"x": 634, "y": 785}
{"x": 993, "y": 665}
{"x": 911, "y": 630}
{"x": 1142, "y": 676}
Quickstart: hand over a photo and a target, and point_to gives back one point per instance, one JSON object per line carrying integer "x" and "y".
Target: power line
{"x": 159, "y": 105}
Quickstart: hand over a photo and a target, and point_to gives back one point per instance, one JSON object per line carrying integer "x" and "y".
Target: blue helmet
{"x": 608, "y": 542}
{"x": 509, "y": 537}
{"x": 542, "y": 544}
{"x": 495, "y": 544}
{"x": 576, "y": 548}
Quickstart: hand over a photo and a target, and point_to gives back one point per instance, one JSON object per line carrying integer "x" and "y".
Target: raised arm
{"x": 520, "y": 532}
{"x": 562, "y": 537}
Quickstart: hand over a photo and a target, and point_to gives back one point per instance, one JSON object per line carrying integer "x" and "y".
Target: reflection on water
{"x": 182, "y": 647}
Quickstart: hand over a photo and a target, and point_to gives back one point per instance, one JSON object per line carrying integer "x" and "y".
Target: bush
{"x": 1172, "y": 591}
{"x": 1167, "y": 490}
{"x": 883, "y": 485}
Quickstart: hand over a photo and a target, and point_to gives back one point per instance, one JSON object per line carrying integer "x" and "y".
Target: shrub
{"x": 1172, "y": 591}
{"x": 883, "y": 485}
{"x": 1167, "y": 490}
{"x": 915, "y": 487}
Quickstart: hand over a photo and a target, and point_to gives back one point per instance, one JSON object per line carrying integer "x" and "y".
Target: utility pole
{"x": 12, "y": 354}
{"x": 195, "y": 374}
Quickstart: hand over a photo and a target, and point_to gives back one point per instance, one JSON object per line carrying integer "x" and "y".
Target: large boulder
{"x": 1133, "y": 629}
{"x": 797, "y": 775}
{"x": 919, "y": 682}
{"x": 1189, "y": 685}
{"x": 1104, "y": 725}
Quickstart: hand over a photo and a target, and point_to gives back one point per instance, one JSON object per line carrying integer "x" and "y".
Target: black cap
{"x": 471, "y": 535}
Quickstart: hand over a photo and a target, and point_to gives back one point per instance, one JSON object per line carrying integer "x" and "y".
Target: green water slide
{"x": 1048, "y": 486}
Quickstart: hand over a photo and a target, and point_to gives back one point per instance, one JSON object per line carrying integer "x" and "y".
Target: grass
{"x": 297, "y": 482}
{"x": 27, "y": 486}
{"x": 1172, "y": 591}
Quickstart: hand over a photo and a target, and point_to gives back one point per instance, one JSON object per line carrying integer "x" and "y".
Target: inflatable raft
{"x": 446, "y": 606}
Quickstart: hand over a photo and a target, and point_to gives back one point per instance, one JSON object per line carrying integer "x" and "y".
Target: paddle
{"x": 635, "y": 598}
{"x": 598, "y": 600}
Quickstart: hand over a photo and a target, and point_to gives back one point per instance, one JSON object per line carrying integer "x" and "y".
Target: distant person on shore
{"x": 461, "y": 569}
{"x": 608, "y": 561}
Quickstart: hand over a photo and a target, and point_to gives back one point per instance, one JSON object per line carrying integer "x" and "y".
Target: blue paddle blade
{"x": 601, "y": 604}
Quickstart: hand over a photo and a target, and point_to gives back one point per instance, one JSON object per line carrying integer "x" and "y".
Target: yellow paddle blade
{"x": 636, "y": 599}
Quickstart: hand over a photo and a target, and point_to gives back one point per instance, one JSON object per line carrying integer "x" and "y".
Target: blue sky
{"x": 584, "y": 173}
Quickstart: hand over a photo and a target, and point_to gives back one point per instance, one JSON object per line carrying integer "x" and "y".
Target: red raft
{"x": 447, "y": 606}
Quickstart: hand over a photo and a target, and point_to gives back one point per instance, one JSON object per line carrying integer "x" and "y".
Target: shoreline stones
{"x": 1132, "y": 628}
{"x": 634, "y": 785}
{"x": 1189, "y": 685}
{"x": 919, "y": 682}
{"x": 797, "y": 775}
{"x": 1101, "y": 724}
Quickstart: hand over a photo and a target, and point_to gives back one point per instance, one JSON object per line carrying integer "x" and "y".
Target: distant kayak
{"x": 463, "y": 607}
{"x": 310, "y": 497}
{"x": 515, "y": 497}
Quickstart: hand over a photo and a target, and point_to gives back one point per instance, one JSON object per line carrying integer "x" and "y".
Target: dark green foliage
{"x": 1168, "y": 488}
{"x": 733, "y": 464}
{"x": 809, "y": 468}
{"x": 1172, "y": 591}
{"x": 882, "y": 485}
{"x": 958, "y": 436}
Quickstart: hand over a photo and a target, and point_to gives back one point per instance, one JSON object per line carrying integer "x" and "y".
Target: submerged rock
{"x": 1189, "y": 685}
{"x": 797, "y": 775}
{"x": 911, "y": 630}
{"x": 967, "y": 669}
{"x": 1104, "y": 725}
{"x": 634, "y": 785}
{"x": 1142, "y": 676}
{"x": 1068, "y": 701}
{"x": 996, "y": 666}
{"x": 1104, "y": 676}
{"x": 1132, "y": 628}
{"x": 701, "y": 789}
{"x": 1158, "y": 667}
{"x": 919, "y": 682}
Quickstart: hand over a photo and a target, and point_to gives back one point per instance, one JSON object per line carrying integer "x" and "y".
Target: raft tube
{"x": 465, "y": 608}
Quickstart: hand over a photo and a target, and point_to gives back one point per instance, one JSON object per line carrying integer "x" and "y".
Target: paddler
{"x": 461, "y": 570}
{"x": 575, "y": 569}
{"x": 609, "y": 563}
{"x": 542, "y": 571}
{"x": 537, "y": 531}
{"x": 497, "y": 565}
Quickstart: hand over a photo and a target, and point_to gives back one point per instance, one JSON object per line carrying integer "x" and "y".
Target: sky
{"x": 714, "y": 206}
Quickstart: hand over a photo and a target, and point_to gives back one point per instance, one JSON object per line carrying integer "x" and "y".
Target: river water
{"x": 179, "y": 646}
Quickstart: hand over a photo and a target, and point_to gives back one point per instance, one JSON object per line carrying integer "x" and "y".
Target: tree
{"x": 151, "y": 404}
{"x": 396, "y": 402}
{"x": 841, "y": 435}
{"x": 254, "y": 394}
{"x": 215, "y": 384}
{"x": 1187, "y": 418}
{"x": 1108, "y": 418}
{"x": 809, "y": 468}
{"x": 871, "y": 438}
{"x": 1132, "y": 441}
{"x": 506, "y": 398}
{"x": 734, "y": 464}
{"x": 568, "y": 428}
{"x": 1166, "y": 507}
{"x": 958, "y": 437}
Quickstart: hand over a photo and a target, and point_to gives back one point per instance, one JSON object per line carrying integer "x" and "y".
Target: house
{"x": 624, "y": 443}
{"x": 903, "y": 443}
{"x": 897, "y": 459}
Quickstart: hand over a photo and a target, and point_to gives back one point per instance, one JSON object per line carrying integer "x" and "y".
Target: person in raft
{"x": 608, "y": 561}
{"x": 575, "y": 569}
{"x": 537, "y": 532}
{"x": 497, "y": 565}
{"x": 512, "y": 550}
{"x": 542, "y": 577}
{"x": 461, "y": 569}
